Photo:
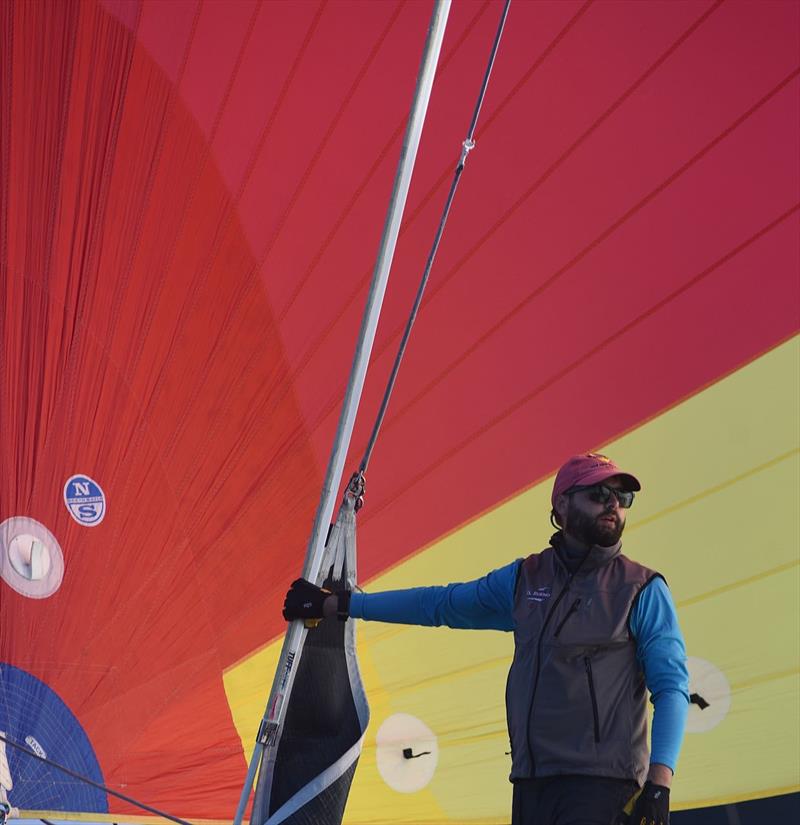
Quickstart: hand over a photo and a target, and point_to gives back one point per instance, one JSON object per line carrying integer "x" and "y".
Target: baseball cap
{"x": 586, "y": 469}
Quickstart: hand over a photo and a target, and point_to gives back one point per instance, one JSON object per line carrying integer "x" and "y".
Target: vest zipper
{"x": 588, "y": 662}
{"x": 572, "y": 609}
{"x": 539, "y": 664}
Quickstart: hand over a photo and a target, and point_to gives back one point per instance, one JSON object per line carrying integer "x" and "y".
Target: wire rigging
{"x": 466, "y": 147}
{"x": 87, "y": 781}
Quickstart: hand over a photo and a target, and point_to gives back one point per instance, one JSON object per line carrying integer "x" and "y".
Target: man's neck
{"x": 571, "y": 550}
{"x": 576, "y": 554}
{"x": 572, "y": 545}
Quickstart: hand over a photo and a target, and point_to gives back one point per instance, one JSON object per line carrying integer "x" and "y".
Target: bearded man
{"x": 594, "y": 632}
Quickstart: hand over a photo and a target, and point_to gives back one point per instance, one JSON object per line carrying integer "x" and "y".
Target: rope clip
{"x": 356, "y": 487}
{"x": 467, "y": 146}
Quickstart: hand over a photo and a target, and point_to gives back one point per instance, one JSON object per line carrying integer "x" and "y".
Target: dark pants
{"x": 570, "y": 800}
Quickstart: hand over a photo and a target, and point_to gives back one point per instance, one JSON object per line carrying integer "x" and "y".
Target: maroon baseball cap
{"x": 586, "y": 469}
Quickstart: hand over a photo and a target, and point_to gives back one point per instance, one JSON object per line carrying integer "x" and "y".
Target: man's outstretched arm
{"x": 486, "y": 603}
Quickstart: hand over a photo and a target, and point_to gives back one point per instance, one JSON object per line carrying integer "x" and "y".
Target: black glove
{"x": 650, "y": 806}
{"x": 306, "y": 601}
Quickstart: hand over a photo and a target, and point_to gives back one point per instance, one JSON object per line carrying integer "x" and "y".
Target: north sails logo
{"x": 85, "y": 500}
{"x": 540, "y": 594}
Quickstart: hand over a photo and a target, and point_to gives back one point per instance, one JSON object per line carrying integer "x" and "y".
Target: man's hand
{"x": 650, "y": 806}
{"x": 310, "y": 603}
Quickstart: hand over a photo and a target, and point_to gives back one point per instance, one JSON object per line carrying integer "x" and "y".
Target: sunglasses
{"x": 601, "y": 493}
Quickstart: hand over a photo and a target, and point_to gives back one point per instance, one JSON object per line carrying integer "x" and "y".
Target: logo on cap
{"x": 603, "y": 459}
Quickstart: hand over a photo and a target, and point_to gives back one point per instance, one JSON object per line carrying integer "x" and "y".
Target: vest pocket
{"x": 590, "y": 679}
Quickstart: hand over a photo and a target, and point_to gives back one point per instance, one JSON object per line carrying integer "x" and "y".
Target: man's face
{"x": 591, "y": 522}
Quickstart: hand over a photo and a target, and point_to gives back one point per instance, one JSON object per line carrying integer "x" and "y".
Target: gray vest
{"x": 576, "y": 698}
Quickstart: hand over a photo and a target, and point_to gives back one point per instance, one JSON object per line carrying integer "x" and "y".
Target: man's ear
{"x": 561, "y": 505}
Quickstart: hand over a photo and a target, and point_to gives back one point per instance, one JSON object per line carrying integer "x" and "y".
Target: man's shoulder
{"x": 539, "y": 556}
{"x": 637, "y": 570}
{"x": 541, "y": 563}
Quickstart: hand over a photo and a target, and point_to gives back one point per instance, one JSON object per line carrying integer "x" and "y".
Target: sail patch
{"x": 407, "y": 752}
{"x": 85, "y": 500}
{"x": 31, "y": 560}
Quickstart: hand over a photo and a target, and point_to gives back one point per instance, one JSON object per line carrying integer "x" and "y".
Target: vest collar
{"x": 594, "y": 559}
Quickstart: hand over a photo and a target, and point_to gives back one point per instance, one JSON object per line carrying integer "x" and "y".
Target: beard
{"x": 591, "y": 530}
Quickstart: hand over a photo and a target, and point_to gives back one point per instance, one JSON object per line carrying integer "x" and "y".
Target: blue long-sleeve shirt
{"x": 487, "y": 603}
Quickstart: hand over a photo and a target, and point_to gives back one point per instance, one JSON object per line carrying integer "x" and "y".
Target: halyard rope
{"x": 466, "y": 147}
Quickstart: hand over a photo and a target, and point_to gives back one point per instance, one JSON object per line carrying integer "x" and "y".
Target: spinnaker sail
{"x": 190, "y": 199}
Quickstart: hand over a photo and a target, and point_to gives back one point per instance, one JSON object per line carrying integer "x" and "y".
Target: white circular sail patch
{"x": 31, "y": 561}
{"x": 711, "y": 694}
{"x": 407, "y": 753}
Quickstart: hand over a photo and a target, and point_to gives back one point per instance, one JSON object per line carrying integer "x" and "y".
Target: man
{"x": 593, "y": 631}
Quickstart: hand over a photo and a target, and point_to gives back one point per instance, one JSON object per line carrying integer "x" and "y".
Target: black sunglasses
{"x": 601, "y": 493}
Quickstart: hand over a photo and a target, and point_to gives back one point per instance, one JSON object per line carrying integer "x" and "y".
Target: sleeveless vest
{"x": 575, "y": 698}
